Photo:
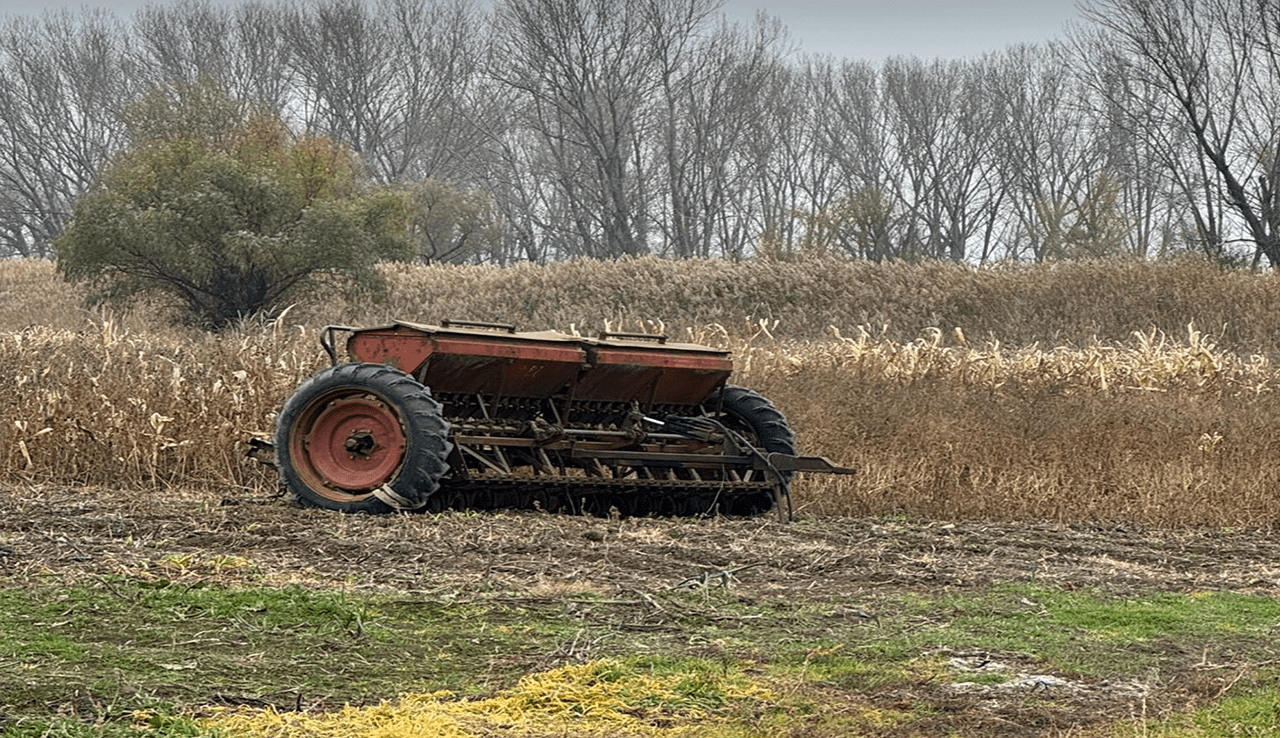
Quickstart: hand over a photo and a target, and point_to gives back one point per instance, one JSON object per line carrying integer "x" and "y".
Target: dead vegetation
{"x": 987, "y": 459}
{"x": 240, "y": 538}
{"x": 649, "y": 581}
{"x": 1167, "y": 428}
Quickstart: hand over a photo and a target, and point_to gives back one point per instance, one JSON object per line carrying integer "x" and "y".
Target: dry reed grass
{"x": 105, "y": 405}
{"x": 1075, "y": 303}
{"x": 1158, "y": 431}
{"x": 1164, "y": 426}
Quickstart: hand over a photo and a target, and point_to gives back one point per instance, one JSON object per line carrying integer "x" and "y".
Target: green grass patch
{"x": 1253, "y": 710}
{"x": 143, "y": 724}
{"x": 122, "y": 644}
{"x": 121, "y": 656}
{"x": 1081, "y": 633}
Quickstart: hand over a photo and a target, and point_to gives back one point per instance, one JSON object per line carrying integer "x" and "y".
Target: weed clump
{"x": 599, "y": 698}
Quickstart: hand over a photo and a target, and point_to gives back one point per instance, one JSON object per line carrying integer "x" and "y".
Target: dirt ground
{"x": 101, "y": 531}
{"x": 839, "y": 566}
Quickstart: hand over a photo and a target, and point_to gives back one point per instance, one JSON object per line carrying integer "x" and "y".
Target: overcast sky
{"x": 876, "y": 29}
{"x": 871, "y": 29}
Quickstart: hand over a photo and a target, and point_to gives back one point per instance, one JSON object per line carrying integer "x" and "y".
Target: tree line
{"x": 552, "y": 129}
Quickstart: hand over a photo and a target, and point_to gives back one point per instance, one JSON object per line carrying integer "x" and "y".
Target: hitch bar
{"x": 821, "y": 464}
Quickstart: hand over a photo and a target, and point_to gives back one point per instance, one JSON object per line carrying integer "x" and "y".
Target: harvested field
{"x": 802, "y": 580}
{"x": 1167, "y": 425}
{"x": 76, "y": 533}
{"x": 1009, "y": 457}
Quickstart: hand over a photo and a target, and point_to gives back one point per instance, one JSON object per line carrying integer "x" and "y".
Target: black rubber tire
{"x": 764, "y": 426}
{"x": 394, "y": 397}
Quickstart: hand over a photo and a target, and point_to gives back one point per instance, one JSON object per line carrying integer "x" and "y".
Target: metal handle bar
{"x": 327, "y": 341}
{"x": 451, "y": 323}
{"x": 660, "y": 338}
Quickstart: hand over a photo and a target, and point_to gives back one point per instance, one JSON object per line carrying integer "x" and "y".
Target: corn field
{"x": 1111, "y": 392}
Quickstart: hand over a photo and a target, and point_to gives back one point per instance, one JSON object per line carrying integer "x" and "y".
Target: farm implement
{"x": 471, "y": 415}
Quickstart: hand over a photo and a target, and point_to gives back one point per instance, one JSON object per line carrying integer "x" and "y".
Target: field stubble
{"x": 1164, "y": 427}
{"x": 997, "y": 405}
{"x": 853, "y": 618}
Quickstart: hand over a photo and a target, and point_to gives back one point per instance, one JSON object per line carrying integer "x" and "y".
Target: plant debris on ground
{"x": 878, "y": 626}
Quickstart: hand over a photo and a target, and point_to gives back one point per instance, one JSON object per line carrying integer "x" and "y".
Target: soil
{"x": 835, "y": 565}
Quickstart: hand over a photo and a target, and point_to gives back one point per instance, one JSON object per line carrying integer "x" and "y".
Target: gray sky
{"x": 871, "y": 29}
{"x": 875, "y": 29}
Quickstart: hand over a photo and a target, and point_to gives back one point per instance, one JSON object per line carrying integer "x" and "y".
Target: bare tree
{"x": 64, "y": 79}
{"x": 343, "y": 59}
{"x": 853, "y": 134}
{"x": 589, "y": 73}
{"x": 1047, "y": 152}
{"x": 790, "y": 170}
{"x": 715, "y": 100}
{"x": 943, "y": 129}
{"x": 443, "y": 96}
{"x": 1211, "y": 67}
{"x": 1170, "y": 193}
{"x": 515, "y": 177}
{"x": 392, "y": 81}
{"x": 241, "y": 46}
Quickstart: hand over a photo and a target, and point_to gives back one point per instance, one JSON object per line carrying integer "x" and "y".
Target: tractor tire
{"x": 750, "y": 414}
{"x": 362, "y": 438}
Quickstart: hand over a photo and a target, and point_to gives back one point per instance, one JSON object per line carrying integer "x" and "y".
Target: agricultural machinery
{"x": 471, "y": 415}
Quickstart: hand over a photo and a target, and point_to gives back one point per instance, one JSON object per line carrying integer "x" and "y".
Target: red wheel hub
{"x": 354, "y": 443}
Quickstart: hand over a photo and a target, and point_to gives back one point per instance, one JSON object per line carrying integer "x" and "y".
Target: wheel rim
{"x": 348, "y": 445}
